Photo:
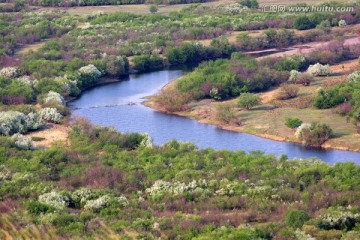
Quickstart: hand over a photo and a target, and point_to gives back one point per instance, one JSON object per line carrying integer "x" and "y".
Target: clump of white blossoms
{"x": 354, "y": 77}
{"x": 26, "y": 79}
{"x": 146, "y": 141}
{"x": 299, "y": 130}
{"x": 12, "y": 122}
{"x": 9, "y": 72}
{"x": 22, "y": 142}
{"x": 319, "y": 70}
{"x": 54, "y": 97}
{"x": 16, "y": 122}
{"x": 90, "y": 70}
{"x": 58, "y": 201}
{"x": 5, "y": 173}
{"x": 98, "y": 204}
{"x": 342, "y": 23}
{"x": 293, "y": 75}
{"x": 122, "y": 200}
{"x": 161, "y": 187}
{"x": 33, "y": 121}
{"x": 51, "y": 115}
{"x": 82, "y": 195}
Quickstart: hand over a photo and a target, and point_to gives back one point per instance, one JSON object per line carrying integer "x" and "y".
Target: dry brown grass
{"x": 52, "y": 133}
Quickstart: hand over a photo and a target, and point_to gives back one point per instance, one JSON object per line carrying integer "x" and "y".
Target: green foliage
{"x": 345, "y": 93}
{"x": 248, "y": 100}
{"x": 303, "y": 22}
{"x": 148, "y": 62}
{"x": 36, "y": 208}
{"x": 153, "y": 9}
{"x": 293, "y": 122}
{"x": 250, "y": 3}
{"x": 296, "y": 218}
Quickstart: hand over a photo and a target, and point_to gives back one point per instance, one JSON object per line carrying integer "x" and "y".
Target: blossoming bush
{"x": 12, "y": 122}
{"x": 354, "y": 77}
{"x": 293, "y": 75}
{"x": 9, "y": 72}
{"x": 342, "y": 23}
{"x": 90, "y": 70}
{"x": 54, "y": 98}
{"x": 81, "y": 196}
{"x": 22, "y": 142}
{"x": 337, "y": 218}
{"x": 319, "y": 70}
{"x": 54, "y": 199}
{"x": 51, "y": 115}
{"x": 314, "y": 134}
{"x": 98, "y": 204}
{"x": 161, "y": 188}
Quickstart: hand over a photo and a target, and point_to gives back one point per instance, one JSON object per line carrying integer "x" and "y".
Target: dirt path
{"x": 305, "y": 48}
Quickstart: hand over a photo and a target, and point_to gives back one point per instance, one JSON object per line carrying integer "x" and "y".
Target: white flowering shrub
{"x": 33, "y": 121}
{"x": 54, "y": 97}
{"x": 9, "y": 72}
{"x": 319, "y": 70}
{"x": 336, "y": 218}
{"x": 90, "y": 70}
{"x": 300, "y": 235}
{"x": 342, "y": 23}
{"x": 81, "y": 196}
{"x": 146, "y": 141}
{"x": 26, "y": 79}
{"x": 51, "y": 115}
{"x": 98, "y": 204}
{"x": 5, "y": 173}
{"x": 354, "y": 77}
{"x": 58, "y": 201}
{"x": 17, "y": 122}
{"x": 293, "y": 75}
{"x": 298, "y": 133}
{"x": 161, "y": 188}
{"x": 12, "y": 122}
{"x": 22, "y": 142}
{"x": 122, "y": 200}
{"x": 235, "y": 8}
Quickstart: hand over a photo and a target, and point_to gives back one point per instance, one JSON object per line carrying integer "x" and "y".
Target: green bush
{"x": 293, "y": 122}
{"x": 296, "y": 218}
{"x": 303, "y": 22}
{"x": 148, "y": 62}
{"x": 36, "y": 208}
{"x": 248, "y": 100}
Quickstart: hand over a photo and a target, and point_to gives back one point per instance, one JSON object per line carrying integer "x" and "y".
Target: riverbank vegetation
{"x": 89, "y": 181}
{"x": 104, "y": 182}
{"x": 298, "y": 87}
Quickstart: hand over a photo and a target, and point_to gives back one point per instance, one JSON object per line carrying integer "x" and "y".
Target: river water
{"x": 119, "y": 105}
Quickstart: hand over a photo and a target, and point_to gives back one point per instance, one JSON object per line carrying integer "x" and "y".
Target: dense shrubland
{"x": 173, "y": 190}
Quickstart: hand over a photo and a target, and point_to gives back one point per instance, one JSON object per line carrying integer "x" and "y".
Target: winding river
{"x": 119, "y": 105}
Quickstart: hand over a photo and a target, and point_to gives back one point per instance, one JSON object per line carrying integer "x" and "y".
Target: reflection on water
{"x": 119, "y": 105}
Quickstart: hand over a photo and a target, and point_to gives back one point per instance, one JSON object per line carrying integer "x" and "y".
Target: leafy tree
{"x": 293, "y": 122}
{"x": 296, "y": 218}
{"x": 248, "y": 100}
{"x": 303, "y": 22}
